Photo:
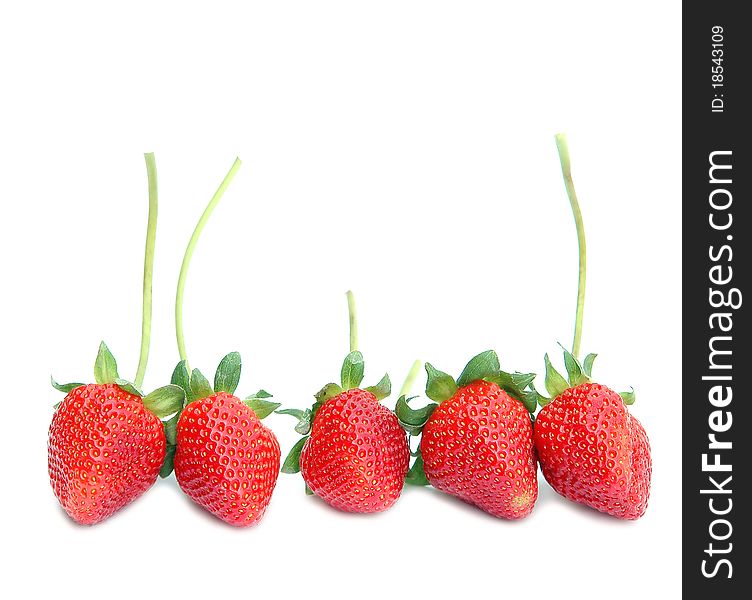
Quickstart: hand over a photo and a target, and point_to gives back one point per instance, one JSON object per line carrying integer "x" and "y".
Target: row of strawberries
{"x": 480, "y": 439}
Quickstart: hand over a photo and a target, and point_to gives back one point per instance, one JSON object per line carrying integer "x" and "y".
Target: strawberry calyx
{"x": 577, "y": 374}
{"x": 196, "y": 386}
{"x": 351, "y": 376}
{"x": 441, "y": 386}
{"x": 485, "y": 366}
{"x": 64, "y": 387}
{"x": 162, "y": 402}
{"x": 412, "y": 420}
{"x": 416, "y": 475}
{"x": 226, "y": 379}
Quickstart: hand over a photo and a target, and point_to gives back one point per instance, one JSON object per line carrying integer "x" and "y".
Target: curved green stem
{"x": 410, "y": 379}
{"x": 151, "y": 238}
{"x": 566, "y": 170}
{"x": 189, "y": 254}
{"x": 353, "y": 321}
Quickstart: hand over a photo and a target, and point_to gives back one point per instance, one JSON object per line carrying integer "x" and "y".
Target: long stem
{"x": 151, "y": 238}
{"x": 189, "y": 254}
{"x": 566, "y": 170}
{"x": 353, "y": 321}
{"x": 410, "y": 379}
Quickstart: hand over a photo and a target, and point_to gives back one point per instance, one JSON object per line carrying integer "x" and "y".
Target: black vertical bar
{"x": 717, "y": 171}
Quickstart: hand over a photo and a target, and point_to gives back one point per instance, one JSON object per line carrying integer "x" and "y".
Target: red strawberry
{"x": 590, "y": 448}
{"x": 105, "y": 450}
{"x": 594, "y": 452}
{"x": 477, "y": 444}
{"x": 225, "y": 460}
{"x": 356, "y": 457}
{"x": 106, "y": 442}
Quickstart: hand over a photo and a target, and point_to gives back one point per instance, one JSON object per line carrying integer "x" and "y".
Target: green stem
{"x": 151, "y": 238}
{"x": 189, "y": 254}
{"x": 353, "y": 322}
{"x": 410, "y": 379}
{"x": 566, "y": 170}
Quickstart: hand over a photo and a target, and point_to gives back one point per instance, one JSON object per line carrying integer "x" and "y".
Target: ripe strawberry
{"x": 477, "y": 443}
{"x": 105, "y": 450}
{"x": 356, "y": 457}
{"x": 225, "y": 460}
{"x": 106, "y": 442}
{"x": 590, "y": 448}
{"x": 354, "y": 454}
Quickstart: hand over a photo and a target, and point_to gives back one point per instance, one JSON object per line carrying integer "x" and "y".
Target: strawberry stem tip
{"x": 151, "y": 238}
{"x": 189, "y": 254}
{"x": 410, "y": 379}
{"x": 353, "y": 315}
{"x": 566, "y": 170}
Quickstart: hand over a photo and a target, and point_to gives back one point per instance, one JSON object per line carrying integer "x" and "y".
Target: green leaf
{"x": 227, "y": 377}
{"x": 262, "y": 394}
{"x": 262, "y": 408}
{"x": 200, "y": 386}
{"x": 304, "y": 418}
{"x": 105, "y": 367}
{"x": 64, "y": 387}
{"x": 413, "y": 420}
{"x": 165, "y": 401}
{"x": 485, "y": 364}
{"x": 56, "y": 405}
{"x": 440, "y": 386}
{"x": 522, "y": 380}
{"x": 308, "y": 491}
{"x": 508, "y": 383}
{"x": 292, "y": 462}
{"x": 529, "y": 399}
{"x": 382, "y": 389}
{"x": 532, "y": 395}
{"x": 417, "y": 474}
{"x": 129, "y": 387}
{"x": 330, "y": 390}
{"x": 555, "y": 383}
{"x": 304, "y": 426}
{"x": 574, "y": 369}
{"x": 628, "y": 397}
{"x": 181, "y": 377}
{"x": 171, "y": 429}
{"x": 294, "y": 412}
{"x": 169, "y": 462}
{"x": 587, "y": 364}
{"x": 514, "y": 384}
{"x": 315, "y": 409}
{"x": 352, "y": 370}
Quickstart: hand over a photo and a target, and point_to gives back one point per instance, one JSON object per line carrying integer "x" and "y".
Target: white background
{"x": 401, "y": 149}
